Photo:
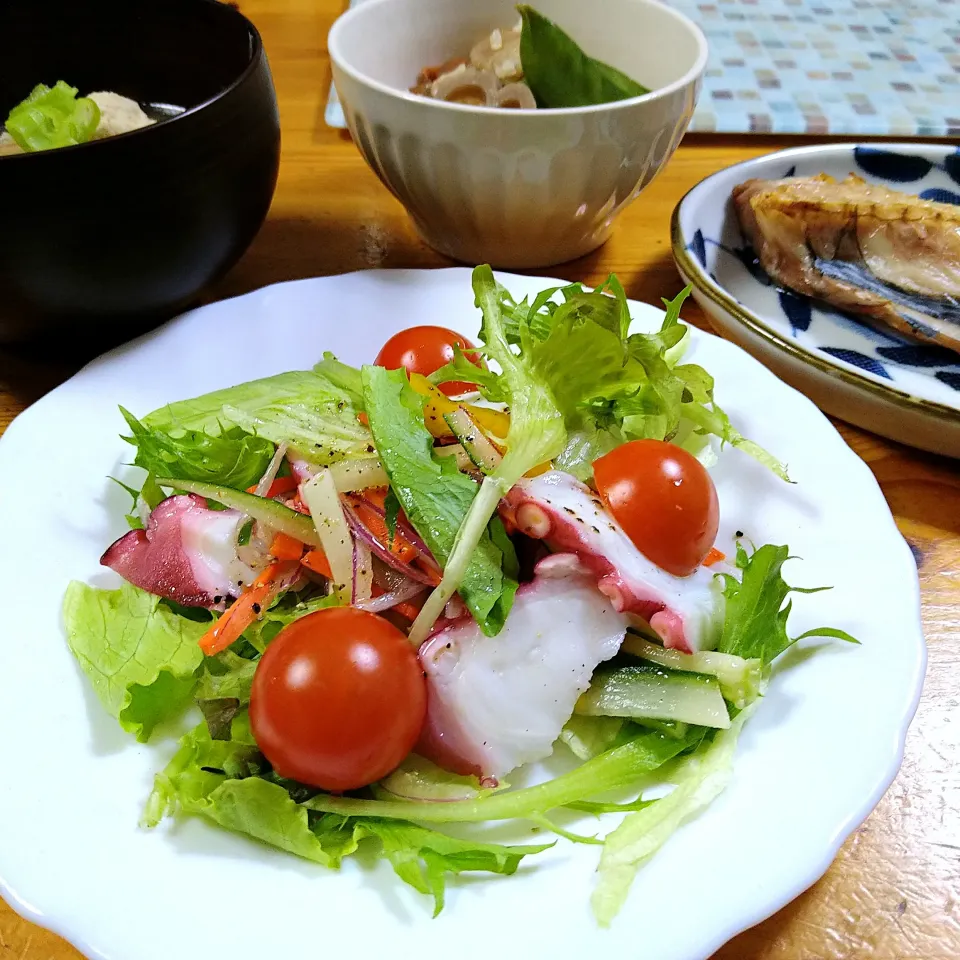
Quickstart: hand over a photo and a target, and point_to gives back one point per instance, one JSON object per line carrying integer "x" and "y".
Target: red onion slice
{"x": 361, "y": 532}
{"x": 273, "y": 468}
{"x": 411, "y": 536}
{"x": 388, "y": 600}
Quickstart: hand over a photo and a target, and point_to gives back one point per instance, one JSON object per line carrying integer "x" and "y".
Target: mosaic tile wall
{"x": 864, "y": 67}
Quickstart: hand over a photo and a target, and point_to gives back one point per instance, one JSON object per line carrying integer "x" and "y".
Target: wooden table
{"x": 894, "y": 890}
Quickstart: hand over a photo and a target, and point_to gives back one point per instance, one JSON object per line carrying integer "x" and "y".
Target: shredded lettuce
{"x": 53, "y": 117}
{"x": 232, "y": 458}
{"x": 314, "y": 415}
{"x": 614, "y": 769}
{"x": 436, "y": 497}
{"x": 755, "y": 622}
{"x": 345, "y": 379}
{"x": 700, "y": 778}
{"x": 418, "y": 778}
{"x": 229, "y": 782}
{"x": 141, "y": 658}
{"x": 589, "y": 736}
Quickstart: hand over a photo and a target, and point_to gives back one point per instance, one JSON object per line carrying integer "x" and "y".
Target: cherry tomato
{"x": 425, "y": 350}
{"x": 664, "y": 499}
{"x": 338, "y": 699}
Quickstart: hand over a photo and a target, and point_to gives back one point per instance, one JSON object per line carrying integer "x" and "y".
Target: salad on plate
{"x": 392, "y": 591}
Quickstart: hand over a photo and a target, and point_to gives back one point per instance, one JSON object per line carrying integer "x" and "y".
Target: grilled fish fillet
{"x": 887, "y": 256}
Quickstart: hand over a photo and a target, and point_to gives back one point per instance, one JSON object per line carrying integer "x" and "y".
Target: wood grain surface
{"x": 893, "y": 892}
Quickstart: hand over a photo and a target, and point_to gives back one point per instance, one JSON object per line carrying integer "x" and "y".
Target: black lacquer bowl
{"x": 104, "y": 238}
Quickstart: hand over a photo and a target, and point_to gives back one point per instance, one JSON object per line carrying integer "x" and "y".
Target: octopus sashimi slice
{"x": 685, "y": 612}
{"x": 187, "y": 553}
{"x": 495, "y": 703}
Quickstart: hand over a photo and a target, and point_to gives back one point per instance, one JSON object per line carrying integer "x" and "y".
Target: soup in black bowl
{"x": 108, "y": 236}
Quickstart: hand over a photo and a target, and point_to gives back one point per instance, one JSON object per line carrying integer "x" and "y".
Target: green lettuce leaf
{"x": 699, "y": 779}
{"x": 578, "y": 384}
{"x": 232, "y": 458}
{"x": 424, "y": 858}
{"x": 227, "y": 675}
{"x": 141, "y": 658}
{"x": 285, "y": 610}
{"x": 225, "y": 781}
{"x": 345, "y": 379}
{"x": 755, "y": 621}
{"x": 51, "y": 118}
{"x": 315, "y": 416}
{"x": 436, "y": 497}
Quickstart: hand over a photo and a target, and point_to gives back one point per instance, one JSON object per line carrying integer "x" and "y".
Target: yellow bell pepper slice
{"x": 494, "y": 422}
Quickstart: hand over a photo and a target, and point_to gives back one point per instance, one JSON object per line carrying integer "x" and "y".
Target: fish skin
{"x": 889, "y": 257}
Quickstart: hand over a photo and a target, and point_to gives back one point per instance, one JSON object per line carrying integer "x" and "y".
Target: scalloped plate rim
{"x": 887, "y": 760}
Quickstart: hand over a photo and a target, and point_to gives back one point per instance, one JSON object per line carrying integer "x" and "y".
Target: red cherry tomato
{"x": 664, "y": 499}
{"x": 425, "y": 350}
{"x": 338, "y": 699}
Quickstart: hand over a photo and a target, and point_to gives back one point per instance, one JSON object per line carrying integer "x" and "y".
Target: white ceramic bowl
{"x": 872, "y": 378}
{"x": 515, "y": 188}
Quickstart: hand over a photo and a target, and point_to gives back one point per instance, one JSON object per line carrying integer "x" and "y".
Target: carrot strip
{"x": 316, "y": 560}
{"x": 279, "y": 485}
{"x": 714, "y": 556}
{"x": 246, "y": 608}
{"x": 376, "y": 524}
{"x": 410, "y": 608}
{"x": 435, "y": 576}
{"x": 285, "y": 547}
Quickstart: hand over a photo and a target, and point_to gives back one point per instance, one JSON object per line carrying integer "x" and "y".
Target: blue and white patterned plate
{"x": 877, "y": 380}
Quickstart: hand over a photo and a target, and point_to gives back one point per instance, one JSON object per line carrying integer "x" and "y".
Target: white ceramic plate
{"x": 870, "y": 377}
{"x": 811, "y": 765}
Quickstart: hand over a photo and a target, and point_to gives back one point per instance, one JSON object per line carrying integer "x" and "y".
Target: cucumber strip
{"x": 741, "y": 681}
{"x": 646, "y": 691}
{"x": 352, "y": 475}
{"x": 464, "y": 463}
{"x": 478, "y": 448}
{"x": 669, "y": 728}
{"x": 267, "y": 511}
{"x": 321, "y": 497}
